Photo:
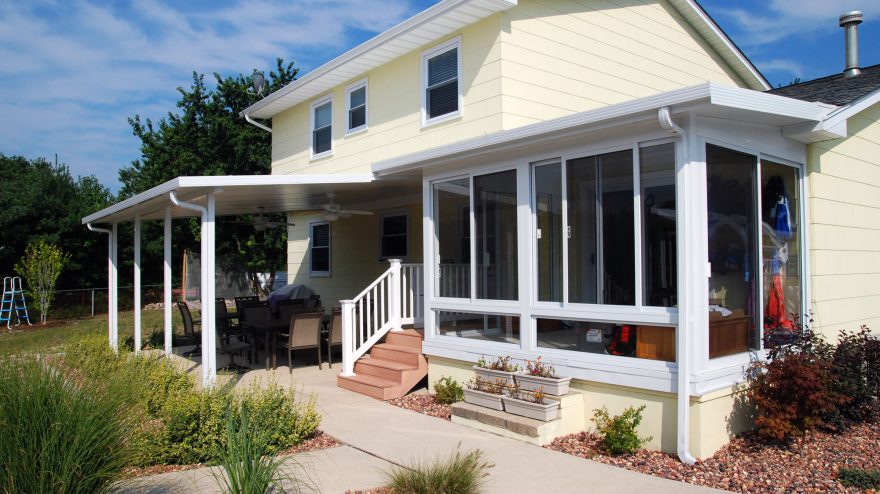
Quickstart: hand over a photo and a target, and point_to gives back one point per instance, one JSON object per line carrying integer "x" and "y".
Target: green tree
{"x": 207, "y": 137}
{"x": 40, "y": 267}
{"x": 40, "y": 200}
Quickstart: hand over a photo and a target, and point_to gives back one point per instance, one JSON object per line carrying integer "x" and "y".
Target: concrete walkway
{"x": 379, "y": 436}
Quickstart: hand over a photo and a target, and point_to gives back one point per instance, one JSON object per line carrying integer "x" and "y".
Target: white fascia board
{"x": 380, "y": 50}
{"x": 226, "y": 182}
{"x": 711, "y": 93}
{"x": 718, "y": 39}
{"x": 837, "y": 119}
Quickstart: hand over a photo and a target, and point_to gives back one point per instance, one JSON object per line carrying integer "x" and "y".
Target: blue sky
{"x": 72, "y": 72}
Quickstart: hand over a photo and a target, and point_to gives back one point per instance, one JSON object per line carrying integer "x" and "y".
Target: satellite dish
{"x": 259, "y": 82}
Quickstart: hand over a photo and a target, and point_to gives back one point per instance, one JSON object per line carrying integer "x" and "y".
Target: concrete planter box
{"x": 557, "y": 386}
{"x": 483, "y": 399}
{"x": 493, "y": 375}
{"x": 544, "y": 412}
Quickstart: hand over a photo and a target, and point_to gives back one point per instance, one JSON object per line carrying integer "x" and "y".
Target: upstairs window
{"x": 442, "y": 94}
{"x": 356, "y": 96}
{"x": 322, "y": 119}
{"x": 319, "y": 249}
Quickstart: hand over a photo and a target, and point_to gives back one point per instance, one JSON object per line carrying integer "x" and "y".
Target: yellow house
{"x": 607, "y": 185}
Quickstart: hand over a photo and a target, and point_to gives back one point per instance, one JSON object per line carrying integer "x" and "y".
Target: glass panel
{"x": 394, "y": 247}
{"x": 323, "y": 116}
{"x": 626, "y": 340}
{"x": 322, "y": 140}
{"x": 443, "y": 67}
{"x": 618, "y": 229}
{"x": 657, "y": 179}
{"x": 582, "y": 255}
{"x": 489, "y": 327}
{"x": 321, "y": 235}
{"x": 732, "y": 226}
{"x": 357, "y": 117}
{"x": 781, "y": 259}
{"x": 548, "y": 214}
{"x": 496, "y": 242}
{"x": 452, "y": 228}
{"x": 320, "y": 251}
{"x": 321, "y": 259}
{"x": 443, "y": 99}
{"x": 394, "y": 225}
{"x": 358, "y": 97}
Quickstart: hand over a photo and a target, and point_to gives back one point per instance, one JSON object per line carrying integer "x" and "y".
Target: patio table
{"x": 267, "y": 328}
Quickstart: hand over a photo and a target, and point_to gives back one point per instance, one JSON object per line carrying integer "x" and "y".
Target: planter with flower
{"x": 500, "y": 368}
{"x": 484, "y": 393}
{"x": 531, "y": 404}
{"x": 539, "y": 375}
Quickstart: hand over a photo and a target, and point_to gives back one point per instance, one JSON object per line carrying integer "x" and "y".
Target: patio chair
{"x": 313, "y": 302}
{"x": 305, "y": 332}
{"x": 334, "y": 335}
{"x": 287, "y": 308}
{"x": 241, "y": 302}
{"x": 225, "y": 326}
{"x": 231, "y": 347}
{"x": 189, "y": 332}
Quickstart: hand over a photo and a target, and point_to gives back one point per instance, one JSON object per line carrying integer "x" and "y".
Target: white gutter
{"x": 256, "y": 124}
{"x": 112, "y": 293}
{"x": 681, "y": 350}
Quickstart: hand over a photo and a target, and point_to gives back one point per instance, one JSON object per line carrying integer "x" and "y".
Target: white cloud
{"x": 781, "y": 65}
{"x": 73, "y": 72}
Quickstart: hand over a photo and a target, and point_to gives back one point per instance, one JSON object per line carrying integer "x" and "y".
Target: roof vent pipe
{"x": 849, "y": 22}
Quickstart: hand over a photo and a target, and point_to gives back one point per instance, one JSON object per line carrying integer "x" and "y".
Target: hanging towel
{"x": 774, "y": 314}
{"x": 783, "y": 219}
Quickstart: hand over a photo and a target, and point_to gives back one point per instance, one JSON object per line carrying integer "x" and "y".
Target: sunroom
{"x": 621, "y": 245}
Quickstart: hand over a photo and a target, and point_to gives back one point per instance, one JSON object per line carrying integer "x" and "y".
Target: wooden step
{"x": 386, "y": 369}
{"x": 407, "y": 337}
{"x": 396, "y": 353}
{"x": 372, "y": 386}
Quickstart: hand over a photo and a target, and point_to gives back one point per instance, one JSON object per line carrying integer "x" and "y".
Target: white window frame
{"x": 349, "y": 130}
{"x": 315, "y": 104}
{"x": 391, "y": 214}
{"x": 454, "y": 43}
{"x": 312, "y": 272}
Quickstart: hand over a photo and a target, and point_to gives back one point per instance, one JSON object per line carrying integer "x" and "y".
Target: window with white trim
{"x": 322, "y": 120}
{"x": 319, "y": 249}
{"x": 356, "y": 106}
{"x": 441, "y": 74}
{"x": 394, "y": 235}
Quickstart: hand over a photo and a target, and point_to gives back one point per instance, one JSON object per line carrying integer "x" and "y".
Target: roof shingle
{"x": 834, "y": 89}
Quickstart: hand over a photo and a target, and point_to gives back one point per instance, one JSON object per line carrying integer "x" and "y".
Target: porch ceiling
{"x": 242, "y": 194}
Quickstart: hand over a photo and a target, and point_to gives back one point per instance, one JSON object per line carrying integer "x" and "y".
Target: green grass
{"x": 60, "y": 435}
{"x": 461, "y": 474}
{"x": 56, "y": 334}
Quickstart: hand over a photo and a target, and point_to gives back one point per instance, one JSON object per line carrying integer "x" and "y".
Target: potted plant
{"x": 531, "y": 404}
{"x": 484, "y": 393}
{"x": 539, "y": 375}
{"x": 500, "y": 368}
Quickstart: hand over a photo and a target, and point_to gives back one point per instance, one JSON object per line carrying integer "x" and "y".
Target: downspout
{"x": 256, "y": 124}
{"x": 681, "y": 351}
{"x": 111, "y": 313}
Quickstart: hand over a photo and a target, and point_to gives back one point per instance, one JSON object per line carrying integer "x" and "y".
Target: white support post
{"x": 109, "y": 279}
{"x": 112, "y": 289}
{"x": 347, "y": 337}
{"x": 394, "y": 296}
{"x": 209, "y": 322}
{"x": 137, "y": 285}
{"x": 166, "y": 281}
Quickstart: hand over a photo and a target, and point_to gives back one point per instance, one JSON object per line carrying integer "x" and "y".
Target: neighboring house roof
{"x": 834, "y": 89}
{"x": 447, "y": 17}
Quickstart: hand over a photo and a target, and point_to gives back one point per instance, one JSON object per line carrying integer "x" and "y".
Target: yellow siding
{"x": 844, "y": 182}
{"x": 354, "y": 253}
{"x": 394, "y": 111}
{"x": 563, "y": 56}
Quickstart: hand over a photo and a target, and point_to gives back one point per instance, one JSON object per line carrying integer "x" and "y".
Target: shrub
{"x": 862, "y": 479}
{"x": 245, "y": 457}
{"x": 619, "y": 434}
{"x": 60, "y": 434}
{"x": 448, "y": 391}
{"x": 855, "y": 373}
{"x": 794, "y": 390}
{"x": 461, "y": 474}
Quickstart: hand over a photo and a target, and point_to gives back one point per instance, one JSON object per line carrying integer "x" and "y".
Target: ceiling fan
{"x": 333, "y": 211}
{"x": 261, "y": 222}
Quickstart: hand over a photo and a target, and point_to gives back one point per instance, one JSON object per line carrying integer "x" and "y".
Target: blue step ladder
{"x": 13, "y": 305}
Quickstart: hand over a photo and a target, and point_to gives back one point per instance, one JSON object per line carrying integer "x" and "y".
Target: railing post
{"x": 394, "y": 296}
{"x": 347, "y": 337}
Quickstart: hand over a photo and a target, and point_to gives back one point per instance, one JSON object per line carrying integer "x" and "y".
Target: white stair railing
{"x": 412, "y": 286}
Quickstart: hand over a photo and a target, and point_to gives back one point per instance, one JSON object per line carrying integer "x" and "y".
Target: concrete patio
{"x": 378, "y": 436}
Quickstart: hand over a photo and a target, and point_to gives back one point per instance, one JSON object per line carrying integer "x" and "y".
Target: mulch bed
{"x": 319, "y": 441}
{"x": 425, "y": 404}
{"x": 745, "y": 465}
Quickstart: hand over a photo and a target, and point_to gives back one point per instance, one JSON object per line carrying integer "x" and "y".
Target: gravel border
{"x": 425, "y": 404}
{"x": 747, "y": 465}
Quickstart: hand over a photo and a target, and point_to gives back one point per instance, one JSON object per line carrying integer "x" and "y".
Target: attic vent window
{"x": 442, "y": 92}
